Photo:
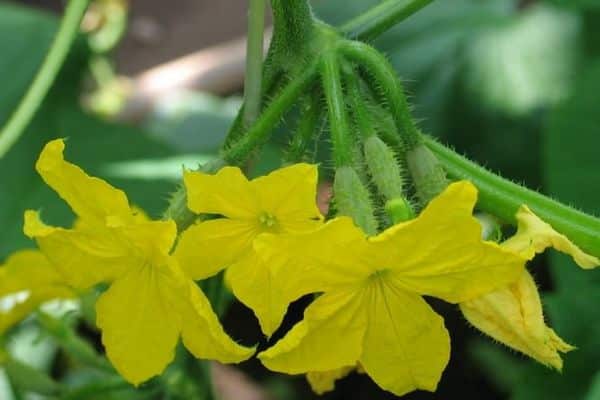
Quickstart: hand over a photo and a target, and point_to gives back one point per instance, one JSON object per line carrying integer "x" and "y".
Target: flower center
{"x": 268, "y": 222}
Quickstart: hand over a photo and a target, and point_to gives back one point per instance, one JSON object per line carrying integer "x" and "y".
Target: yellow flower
{"x": 282, "y": 202}
{"x": 534, "y": 236}
{"x": 372, "y": 311}
{"x": 513, "y": 314}
{"x": 150, "y": 302}
{"x": 27, "y": 280}
{"x": 322, "y": 382}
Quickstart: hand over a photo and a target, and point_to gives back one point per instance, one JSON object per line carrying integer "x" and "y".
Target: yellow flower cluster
{"x": 271, "y": 239}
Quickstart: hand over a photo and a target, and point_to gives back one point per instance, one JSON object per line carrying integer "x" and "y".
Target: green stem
{"x": 387, "y": 82}
{"x": 503, "y": 198}
{"x": 310, "y": 115}
{"x": 50, "y": 68}
{"x": 293, "y": 23}
{"x": 263, "y": 127}
{"x": 338, "y": 119}
{"x": 360, "y": 111}
{"x": 254, "y": 58}
{"x": 381, "y": 17}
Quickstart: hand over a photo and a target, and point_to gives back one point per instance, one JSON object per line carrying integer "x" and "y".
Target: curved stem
{"x": 386, "y": 81}
{"x": 338, "y": 119}
{"x": 45, "y": 77}
{"x": 502, "y": 198}
{"x": 254, "y": 58}
{"x": 262, "y": 128}
{"x": 381, "y": 17}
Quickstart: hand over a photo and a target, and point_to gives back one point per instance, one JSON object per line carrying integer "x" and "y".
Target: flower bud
{"x": 399, "y": 210}
{"x": 353, "y": 199}
{"x": 383, "y": 167}
{"x": 427, "y": 172}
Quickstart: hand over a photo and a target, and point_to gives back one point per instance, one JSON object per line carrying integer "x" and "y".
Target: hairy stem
{"x": 310, "y": 116}
{"x": 262, "y": 128}
{"x": 336, "y": 104}
{"x": 381, "y": 17}
{"x": 387, "y": 82}
{"x": 292, "y": 26}
{"x": 45, "y": 77}
{"x": 502, "y": 198}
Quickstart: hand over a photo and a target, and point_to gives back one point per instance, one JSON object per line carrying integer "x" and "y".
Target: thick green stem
{"x": 381, "y": 17}
{"x": 254, "y": 58}
{"x": 503, "y": 198}
{"x": 386, "y": 82}
{"x": 263, "y": 127}
{"x": 45, "y": 77}
{"x": 338, "y": 118}
{"x": 292, "y": 27}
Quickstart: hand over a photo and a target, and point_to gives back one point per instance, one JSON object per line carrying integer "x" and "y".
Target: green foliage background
{"x": 513, "y": 85}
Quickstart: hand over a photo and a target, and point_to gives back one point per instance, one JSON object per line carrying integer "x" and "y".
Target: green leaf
{"x": 93, "y": 144}
{"x": 578, "y": 4}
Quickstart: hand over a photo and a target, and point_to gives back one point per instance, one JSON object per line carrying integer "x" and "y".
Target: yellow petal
{"x": 150, "y": 240}
{"x": 406, "y": 346}
{"x": 329, "y": 337}
{"x": 251, "y": 282}
{"x": 513, "y": 315}
{"x": 26, "y": 270}
{"x": 139, "y": 328}
{"x": 534, "y": 236}
{"x": 290, "y": 194}
{"x": 441, "y": 253}
{"x": 83, "y": 258}
{"x": 90, "y": 198}
{"x": 227, "y": 192}
{"x": 202, "y": 332}
{"x": 27, "y": 279}
{"x": 329, "y": 257}
{"x": 323, "y": 382}
{"x": 206, "y": 248}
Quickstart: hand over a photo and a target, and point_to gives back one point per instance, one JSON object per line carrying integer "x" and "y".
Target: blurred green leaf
{"x": 526, "y": 64}
{"x": 24, "y": 37}
{"x": 578, "y": 4}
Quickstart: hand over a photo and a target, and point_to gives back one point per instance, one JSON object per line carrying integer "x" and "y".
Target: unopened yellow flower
{"x": 372, "y": 311}
{"x": 27, "y": 280}
{"x": 150, "y": 302}
{"x": 282, "y": 202}
{"x": 513, "y": 314}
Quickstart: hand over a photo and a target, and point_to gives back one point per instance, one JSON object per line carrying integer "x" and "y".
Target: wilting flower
{"x": 371, "y": 311}
{"x": 282, "y": 202}
{"x": 513, "y": 314}
{"x": 150, "y": 302}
